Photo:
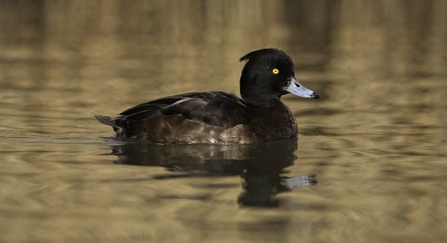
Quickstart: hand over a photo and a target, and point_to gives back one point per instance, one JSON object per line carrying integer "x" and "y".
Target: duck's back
{"x": 199, "y": 117}
{"x": 203, "y": 117}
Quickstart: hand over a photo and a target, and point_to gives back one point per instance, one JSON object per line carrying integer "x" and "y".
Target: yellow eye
{"x": 275, "y": 71}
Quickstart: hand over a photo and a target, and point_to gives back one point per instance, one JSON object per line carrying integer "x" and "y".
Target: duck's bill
{"x": 298, "y": 89}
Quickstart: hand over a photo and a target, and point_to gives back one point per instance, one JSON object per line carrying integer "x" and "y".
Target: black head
{"x": 269, "y": 74}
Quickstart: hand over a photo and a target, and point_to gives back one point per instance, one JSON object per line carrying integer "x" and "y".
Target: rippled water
{"x": 369, "y": 164}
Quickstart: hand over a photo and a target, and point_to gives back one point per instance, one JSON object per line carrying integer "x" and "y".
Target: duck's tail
{"x": 106, "y": 120}
{"x": 113, "y": 122}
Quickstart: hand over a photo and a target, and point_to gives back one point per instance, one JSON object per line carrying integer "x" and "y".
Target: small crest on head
{"x": 275, "y": 60}
{"x": 268, "y": 52}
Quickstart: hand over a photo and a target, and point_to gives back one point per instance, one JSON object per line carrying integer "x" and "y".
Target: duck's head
{"x": 267, "y": 75}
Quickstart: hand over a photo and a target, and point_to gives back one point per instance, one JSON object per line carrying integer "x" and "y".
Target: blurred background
{"x": 103, "y": 56}
{"x": 376, "y": 137}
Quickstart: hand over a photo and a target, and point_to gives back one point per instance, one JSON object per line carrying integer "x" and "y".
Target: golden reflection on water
{"x": 376, "y": 138}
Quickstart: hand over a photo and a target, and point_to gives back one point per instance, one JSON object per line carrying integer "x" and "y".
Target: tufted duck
{"x": 220, "y": 117}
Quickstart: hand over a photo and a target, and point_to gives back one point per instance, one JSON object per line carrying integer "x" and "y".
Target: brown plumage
{"x": 220, "y": 117}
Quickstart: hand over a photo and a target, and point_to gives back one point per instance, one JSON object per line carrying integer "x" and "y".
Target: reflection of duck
{"x": 219, "y": 117}
{"x": 260, "y": 165}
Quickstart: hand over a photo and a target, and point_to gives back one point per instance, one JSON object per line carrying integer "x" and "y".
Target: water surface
{"x": 368, "y": 166}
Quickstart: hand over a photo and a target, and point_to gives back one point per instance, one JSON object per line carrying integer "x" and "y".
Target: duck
{"x": 218, "y": 117}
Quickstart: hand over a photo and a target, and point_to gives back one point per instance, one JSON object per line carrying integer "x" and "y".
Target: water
{"x": 369, "y": 164}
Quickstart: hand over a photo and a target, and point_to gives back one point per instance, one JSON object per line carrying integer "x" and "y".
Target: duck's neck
{"x": 273, "y": 121}
{"x": 260, "y": 102}
{"x": 257, "y": 95}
